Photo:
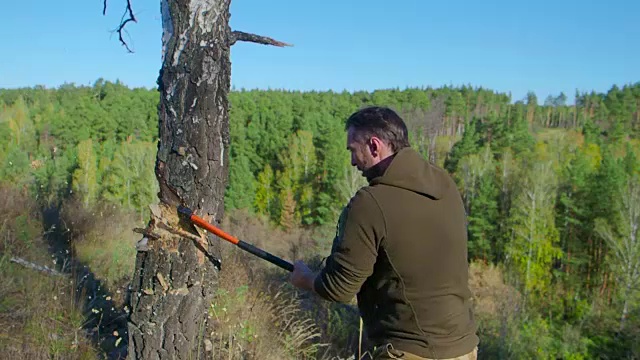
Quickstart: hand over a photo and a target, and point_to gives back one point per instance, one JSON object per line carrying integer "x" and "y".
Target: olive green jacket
{"x": 401, "y": 246}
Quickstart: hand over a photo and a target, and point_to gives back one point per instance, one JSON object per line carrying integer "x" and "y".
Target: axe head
{"x": 184, "y": 216}
{"x": 185, "y": 211}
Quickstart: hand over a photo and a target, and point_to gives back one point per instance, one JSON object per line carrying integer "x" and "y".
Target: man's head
{"x": 373, "y": 134}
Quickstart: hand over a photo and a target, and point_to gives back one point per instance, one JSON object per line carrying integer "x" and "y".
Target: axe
{"x": 187, "y": 213}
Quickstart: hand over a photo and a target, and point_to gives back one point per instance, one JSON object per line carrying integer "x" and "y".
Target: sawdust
{"x": 167, "y": 229}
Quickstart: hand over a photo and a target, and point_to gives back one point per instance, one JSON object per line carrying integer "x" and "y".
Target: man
{"x": 401, "y": 247}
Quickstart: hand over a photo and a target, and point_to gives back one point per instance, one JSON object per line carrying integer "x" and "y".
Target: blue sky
{"x": 509, "y": 46}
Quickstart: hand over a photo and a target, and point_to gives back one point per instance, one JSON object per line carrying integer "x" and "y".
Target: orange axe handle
{"x": 232, "y": 239}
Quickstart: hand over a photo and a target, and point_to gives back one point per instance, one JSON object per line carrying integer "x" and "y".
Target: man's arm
{"x": 353, "y": 256}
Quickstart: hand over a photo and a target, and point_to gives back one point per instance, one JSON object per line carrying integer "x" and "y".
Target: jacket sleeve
{"x": 360, "y": 230}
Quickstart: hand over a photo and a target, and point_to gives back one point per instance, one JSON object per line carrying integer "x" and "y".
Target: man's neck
{"x": 379, "y": 168}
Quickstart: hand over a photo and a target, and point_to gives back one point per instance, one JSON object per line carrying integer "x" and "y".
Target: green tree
{"x": 298, "y": 162}
{"x": 532, "y": 105}
{"x": 572, "y": 219}
{"x": 15, "y": 166}
{"x": 603, "y": 202}
{"x": 53, "y": 180}
{"x": 130, "y": 180}
{"x": 454, "y": 113}
{"x": 265, "y": 191}
{"x": 241, "y": 190}
{"x": 469, "y": 144}
{"x": 623, "y": 238}
{"x": 483, "y": 214}
{"x": 533, "y": 245}
{"x": 85, "y": 177}
{"x": 350, "y": 183}
{"x": 22, "y": 127}
{"x": 333, "y": 159}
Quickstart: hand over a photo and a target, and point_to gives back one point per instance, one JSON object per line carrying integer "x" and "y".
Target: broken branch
{"x": 199, "y": 242}
{"x": 147, "y": 233}
{"x": 264, "y": 40}
{"x": 41, "y": 268}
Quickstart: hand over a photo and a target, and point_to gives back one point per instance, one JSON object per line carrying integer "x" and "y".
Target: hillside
{"x": 552, "y": 193}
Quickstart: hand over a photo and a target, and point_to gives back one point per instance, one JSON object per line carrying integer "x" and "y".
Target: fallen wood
{"x": 41, "y": 268}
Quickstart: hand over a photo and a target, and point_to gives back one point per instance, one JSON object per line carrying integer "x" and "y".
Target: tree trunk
{"x": 625, "y": 310}
{"x": 174, "y": 282}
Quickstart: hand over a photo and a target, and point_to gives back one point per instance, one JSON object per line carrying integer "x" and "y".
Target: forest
{"x": 551, "y": 189}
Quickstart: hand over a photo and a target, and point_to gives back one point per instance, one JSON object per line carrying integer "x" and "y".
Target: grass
{"x": 39, "y": 318}
{"x": 290, "y": 324}
{"x": 103, "y": 239}
{"x": 255, "y": 317}
{"x": 255, "y": 314}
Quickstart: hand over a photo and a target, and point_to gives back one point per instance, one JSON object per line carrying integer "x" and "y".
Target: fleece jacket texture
{"x": 401, "y": 247}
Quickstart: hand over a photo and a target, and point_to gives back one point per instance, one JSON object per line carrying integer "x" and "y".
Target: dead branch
{"x": 127, "y": 17}
{"x": 178, "y": 232}
{"x": 243, "y": 36}
{"x": 198, "y": 241}
{"x": 41, "y": 268}
{"x": 147, "y": 233}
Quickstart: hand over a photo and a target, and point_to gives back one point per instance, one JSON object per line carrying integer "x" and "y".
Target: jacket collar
{"x": 378, "y": 169}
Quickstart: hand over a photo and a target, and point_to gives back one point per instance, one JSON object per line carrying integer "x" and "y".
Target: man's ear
{"x": 374, "y": 145}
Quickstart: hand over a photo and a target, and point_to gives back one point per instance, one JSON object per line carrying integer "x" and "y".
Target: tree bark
{"x": 175, "y": 280}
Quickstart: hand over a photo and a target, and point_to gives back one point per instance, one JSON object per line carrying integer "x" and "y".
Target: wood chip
{"x": 181, "y": 291}
{"x": 155, "y": 210}
{"x": 164, "y": 284}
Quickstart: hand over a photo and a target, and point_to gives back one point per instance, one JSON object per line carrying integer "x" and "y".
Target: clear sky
{"x": 509, "y": 46}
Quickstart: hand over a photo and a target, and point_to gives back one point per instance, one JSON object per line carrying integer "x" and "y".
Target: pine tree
{"x": 240, "y": 192}
{"x": 469, "y": 144}
{"x": 454, "y": 113}
{"x": 602, "y": 203}
{"x": 333, "y": 159}
{"x": 571, "y": 208}
{"x": 483, "y": 220}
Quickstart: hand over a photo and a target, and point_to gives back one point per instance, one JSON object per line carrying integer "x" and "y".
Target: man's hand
{"x": 302, "y": 277}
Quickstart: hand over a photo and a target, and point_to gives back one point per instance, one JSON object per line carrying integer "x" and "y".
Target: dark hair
{"x": 381, "y": 122}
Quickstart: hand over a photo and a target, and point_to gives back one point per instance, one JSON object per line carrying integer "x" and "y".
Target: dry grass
{"x": 257, "y": 313}
{"x": 253, "y": 317}
{"x": 20, "y": 223}
{"x": 492, "y": 297}
{"x": 289, "y": 245}
{"x": 497, "y": 309}
{"x": 104, "y": 240}
{"x": 39, "y": 318}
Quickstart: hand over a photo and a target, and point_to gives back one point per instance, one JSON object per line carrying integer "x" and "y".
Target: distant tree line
{"x": 552, "y": 190}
